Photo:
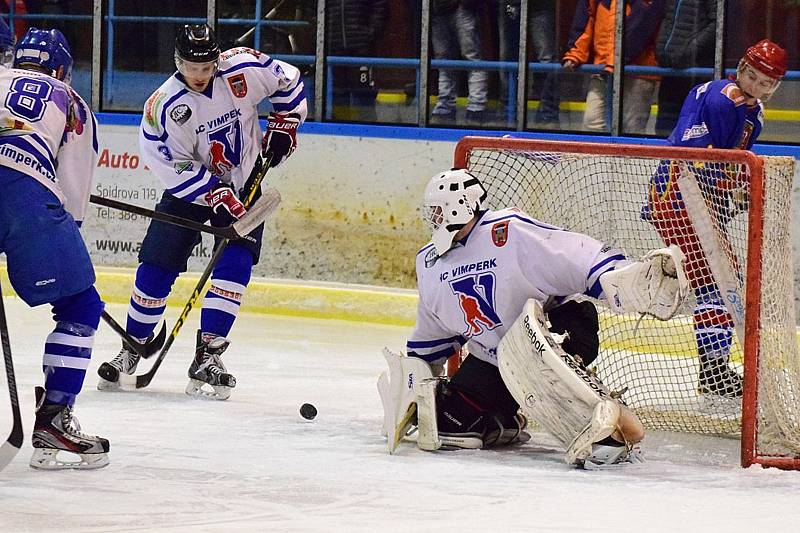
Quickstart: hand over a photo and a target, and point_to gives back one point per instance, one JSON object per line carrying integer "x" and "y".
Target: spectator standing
{"x": 542, "y": 41}
{"x": 592, "y": 40}
{"x": 686, "y": 40}
{"x": 353, "y": 28}
{"x": 455, "y": 34}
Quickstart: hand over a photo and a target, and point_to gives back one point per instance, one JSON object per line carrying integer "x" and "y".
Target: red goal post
{"x": 602, "y": 189}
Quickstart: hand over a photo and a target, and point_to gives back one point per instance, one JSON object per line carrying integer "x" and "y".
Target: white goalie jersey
{"x": 475, "y": 291}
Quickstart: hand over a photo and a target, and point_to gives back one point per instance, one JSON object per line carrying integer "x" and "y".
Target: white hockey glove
{"x": 655, "y": 286}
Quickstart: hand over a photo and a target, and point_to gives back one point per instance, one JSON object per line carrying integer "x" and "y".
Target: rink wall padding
{"x": 349, "y": 216}
{"x": 281, "y": 297}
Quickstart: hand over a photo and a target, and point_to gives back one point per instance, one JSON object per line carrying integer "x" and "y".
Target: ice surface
{"x": 254, "y": 464}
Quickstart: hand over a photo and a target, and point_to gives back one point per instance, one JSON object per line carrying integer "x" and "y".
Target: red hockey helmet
{"x": 768, "y": 58}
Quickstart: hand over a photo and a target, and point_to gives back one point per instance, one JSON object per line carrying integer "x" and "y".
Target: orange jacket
{"x": 592, "y": 34}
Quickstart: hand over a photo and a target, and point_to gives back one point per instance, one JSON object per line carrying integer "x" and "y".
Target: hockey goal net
{"x": 735, "y": 226}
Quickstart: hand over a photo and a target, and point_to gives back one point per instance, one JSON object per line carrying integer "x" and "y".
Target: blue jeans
{"x": 455, "y": 35}
{"x": 542, "y": 41}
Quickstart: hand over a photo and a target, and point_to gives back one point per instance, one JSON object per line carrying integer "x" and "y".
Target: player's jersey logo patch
{"x": 238, "y": 85}
{"x": 180, "y": 113}
{"x": 152, "y": 107}
{"x": 500, "y": 233}
{"x": 431, "y": 257}
{"x": 476, "y": 298}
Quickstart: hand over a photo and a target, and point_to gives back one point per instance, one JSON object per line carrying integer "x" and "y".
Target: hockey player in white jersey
{"x": 485, "y": 282}
{"x": 201, "y": 136}
{"x": 48, "y": 151}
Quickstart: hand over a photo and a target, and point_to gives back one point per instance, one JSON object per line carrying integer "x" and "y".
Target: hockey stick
{"x": 13, "y": 443}
{"x": 237, "y": 230}
{"x": 144, "y": 349}
{"x": 271, "y": 200}
{"x": 242, "y": 38}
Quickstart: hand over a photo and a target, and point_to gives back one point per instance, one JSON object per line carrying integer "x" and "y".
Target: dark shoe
{"x": 717, "y": 377}
{"x": 476, "y": 117}
{"x": 443, "y": 116}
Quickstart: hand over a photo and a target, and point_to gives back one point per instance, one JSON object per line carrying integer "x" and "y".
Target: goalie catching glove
{"x": 655, "y": 286}
{"x": 280, "y": 140}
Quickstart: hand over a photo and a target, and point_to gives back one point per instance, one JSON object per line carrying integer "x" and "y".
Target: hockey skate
{"x": 57, "y": 431}
{"x": 605, "y": 416}
{"x": 208, "y": 371}
{"x": 612, "y": 455}
{"x": 510, "y": 431}
{"x": 119, "y": 371}
{"x": 718, "y": 378}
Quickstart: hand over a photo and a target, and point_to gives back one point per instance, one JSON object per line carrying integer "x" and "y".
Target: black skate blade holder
{"x": 144, "y": 349}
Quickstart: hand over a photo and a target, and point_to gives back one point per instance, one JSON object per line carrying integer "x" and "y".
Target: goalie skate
{"x": 208, "y": 377}
{"x": 605, "y": 457}
{"x": 57, "y": 432}
{"x": 603, "y": 423}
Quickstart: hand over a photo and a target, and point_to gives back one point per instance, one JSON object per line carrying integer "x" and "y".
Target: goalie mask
{"x": 761, "y": 69}
{"x": 452, "y": 199}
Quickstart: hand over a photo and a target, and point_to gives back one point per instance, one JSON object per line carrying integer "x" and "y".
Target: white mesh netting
{"x": 683, "y": 374}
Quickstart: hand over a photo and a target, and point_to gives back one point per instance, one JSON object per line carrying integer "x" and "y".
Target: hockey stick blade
{"x": 144, "y": 349}
{"x": 9, "y": 449}
{"x": 258, "y": 213}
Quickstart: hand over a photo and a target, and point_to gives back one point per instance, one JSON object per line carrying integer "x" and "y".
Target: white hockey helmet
{"x": 452, "y": 199}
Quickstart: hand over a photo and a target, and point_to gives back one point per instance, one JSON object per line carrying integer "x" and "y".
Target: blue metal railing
{"x": 507, "y": 67}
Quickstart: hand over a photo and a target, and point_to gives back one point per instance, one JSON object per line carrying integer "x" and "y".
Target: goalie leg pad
{"x": 656, "y": 286}
{"x": 427, "y": 428}
{"x": 548, "y": 383}
{"x": 605, "y": 418}
{"x": 398, "y": 396}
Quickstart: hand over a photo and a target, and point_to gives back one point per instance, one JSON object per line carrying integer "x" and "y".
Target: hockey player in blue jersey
{"x": 48, "y": 151}
{"x": 201, "y": 136}
{"x": 485, "y": 282}
{"x": 725, "y": 113}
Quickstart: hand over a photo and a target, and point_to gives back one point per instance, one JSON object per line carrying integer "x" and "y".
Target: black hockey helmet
{"x": 196, "y": 43}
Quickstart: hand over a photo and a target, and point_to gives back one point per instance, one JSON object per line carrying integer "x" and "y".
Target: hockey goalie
{"x": 517, "y": 293}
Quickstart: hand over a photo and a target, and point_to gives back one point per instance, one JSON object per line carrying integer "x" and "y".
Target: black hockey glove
{"x": 579, "y": 321}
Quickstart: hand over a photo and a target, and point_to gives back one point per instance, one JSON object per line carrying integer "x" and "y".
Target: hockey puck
{"x": 308, "y": 411}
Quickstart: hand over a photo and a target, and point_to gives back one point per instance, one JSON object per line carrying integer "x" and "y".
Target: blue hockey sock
{"x": 228, "y": 283}
{"x": 149, "y": 299}
{"x": 68, "y": 348}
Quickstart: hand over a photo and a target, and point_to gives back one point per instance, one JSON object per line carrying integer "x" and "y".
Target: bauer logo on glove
{"x": 280, "y": 140}
{"x": 223, "y": 196}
